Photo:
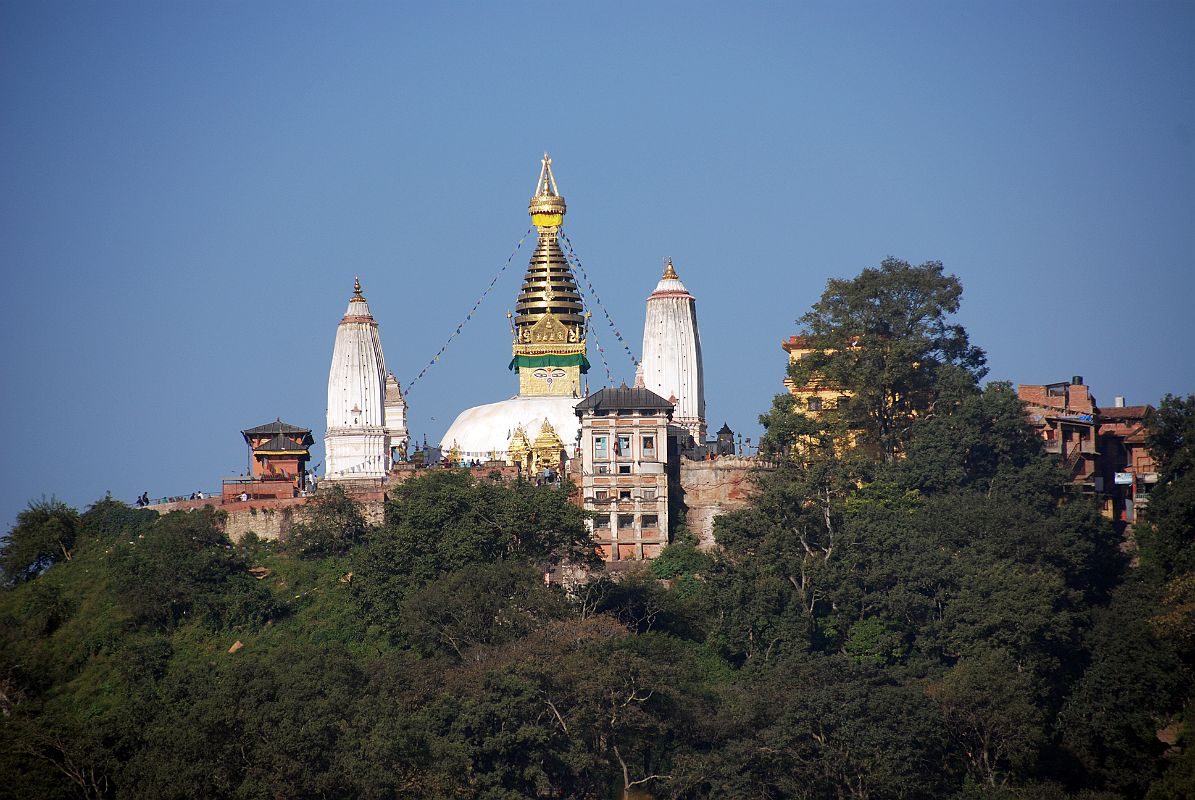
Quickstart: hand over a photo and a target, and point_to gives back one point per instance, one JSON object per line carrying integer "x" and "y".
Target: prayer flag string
{"x": 570, "y": 255}
{"x": 602, "y": 356}
{"x": 472, "y": 311}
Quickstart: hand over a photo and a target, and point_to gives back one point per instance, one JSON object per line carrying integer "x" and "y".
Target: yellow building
{"x": 818, "y": 395}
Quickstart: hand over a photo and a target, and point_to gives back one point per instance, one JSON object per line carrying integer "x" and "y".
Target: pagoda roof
{"x": 277, "y": 426}
{"x": 277, "y": 429}
{"x": 622, "y": 398}
{"x": 725, "y": 429}
{"x": 282, "y": 443}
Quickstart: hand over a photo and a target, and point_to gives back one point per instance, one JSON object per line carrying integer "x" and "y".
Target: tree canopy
{"x": 938, "y": 619}
{"x": 886, "y": 340}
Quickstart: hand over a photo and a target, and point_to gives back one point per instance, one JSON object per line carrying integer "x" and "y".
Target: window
{"x": 600, "y": 448}
{"x": 626, "y": 521}
{"x": 603, "y": 469}
{"x": 601, "y": 521}
{"x": 622, "y": 447}
{"x": 815, "y": 404}
{"x": 651, "y": 521}
{"x": 624, "y": 469}
{"x": 601, "y": 494}
{"x": 649, "y": 494}
{"x": 624, "y": 494}
{"x": 844, "y": 401}
{"x": 649, "y": 448}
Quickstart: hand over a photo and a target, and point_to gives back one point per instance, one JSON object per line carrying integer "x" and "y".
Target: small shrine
{"x": 278, "y": 456}
{"x": 547, "y": 451}
{"x": 518, "y": 451}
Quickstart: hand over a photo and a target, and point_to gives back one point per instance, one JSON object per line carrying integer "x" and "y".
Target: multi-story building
{"x": 814, "y": 396}
{"x": 1064, "y": 414}
{"x": 624, "y": 476}
{"x": 1127, "y": 472}
{"x": 1104, "y": 450}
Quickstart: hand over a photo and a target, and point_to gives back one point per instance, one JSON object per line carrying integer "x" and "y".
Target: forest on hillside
{"x": 914, "y": 605}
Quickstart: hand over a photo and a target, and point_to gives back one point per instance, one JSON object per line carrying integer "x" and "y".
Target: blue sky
{"x": 188, "y": 190}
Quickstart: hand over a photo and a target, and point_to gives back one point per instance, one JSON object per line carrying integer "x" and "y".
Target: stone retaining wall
{"x": 711, "y": 488}
{"x": 272, "y": 518}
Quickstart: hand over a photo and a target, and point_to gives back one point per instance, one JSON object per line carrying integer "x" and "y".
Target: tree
{"x": 818, "y": 727}
{"x": 1129, "y": 691}
{"x": 886, "y": 340}
{"x": 445, "y": 521}
{"x": 333, "y": 523}
{"x": 44, "y": 534}
{"x": 987, "y": 702}
{"x": 185, "y": 564}
{"x": 1168, "y": 541}
{"x": 968, "y": 440}
{"x": 481, "y": 604}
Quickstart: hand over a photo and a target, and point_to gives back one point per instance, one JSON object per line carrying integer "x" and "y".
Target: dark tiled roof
{"x": 622, "y": 398}
{"x": 277, "y": 426}
{"x": 725, "y": 429}
{"x": 280, "y": 444}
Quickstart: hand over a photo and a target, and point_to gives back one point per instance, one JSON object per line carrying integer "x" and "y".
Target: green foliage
{"x": 1134, "y": 685}
{"x": 333, "y": 523}
{"x": 685, "y": 566}
{"x": 1168, "y": 541}
{"x": 951, "y": 623}
{"x": 480, "y": 604}
{"x": 968, "y": 441}
{"x": 813, "y": 728}
{"x": 446, "y": 521}
{"x": 44, "y": 535}
{"x": 108, "y": 520}
{"x": 988, "y": 704}
{"x": 885, "y": 338}
{"x": 873, "y": 642}
{"x": 184, "y": 564}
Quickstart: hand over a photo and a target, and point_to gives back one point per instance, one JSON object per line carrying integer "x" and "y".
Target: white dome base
{"x": 479, "y": 431}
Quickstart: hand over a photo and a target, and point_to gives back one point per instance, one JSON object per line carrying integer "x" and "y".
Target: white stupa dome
{"x": 479, "y": 431}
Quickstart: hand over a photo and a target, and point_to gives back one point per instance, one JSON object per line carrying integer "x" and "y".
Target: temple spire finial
{"x": 357, "y": 288}
{"x": 669, "y": 272}
{"x": 547, "y": 207}
{"x": 546, "y": 185}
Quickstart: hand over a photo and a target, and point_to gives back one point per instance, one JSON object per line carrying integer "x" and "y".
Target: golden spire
{"x": 549, "y": 322}
{"x": 546, "y": 207}
{"x": 549, "y": 287}
{"x": 669, "y": 272}
{"x": 357, "y": 288}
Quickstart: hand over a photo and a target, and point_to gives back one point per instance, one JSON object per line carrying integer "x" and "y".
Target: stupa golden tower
{"x": 548, "y": 353}
{"x": 549, "y": 320}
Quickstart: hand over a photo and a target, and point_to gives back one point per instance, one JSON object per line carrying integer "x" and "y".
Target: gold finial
{"x": 547, "y": 182}
{"x": 669, "y": 272}
{"x": 547, "y": 207}
{"x": 357, "y": 288}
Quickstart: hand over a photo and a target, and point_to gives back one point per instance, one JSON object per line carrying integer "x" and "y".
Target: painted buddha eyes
{"x": 548, "y": 374}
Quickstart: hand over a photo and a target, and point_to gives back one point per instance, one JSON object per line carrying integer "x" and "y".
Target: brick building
{"x": 278, "y": 456}
{"x": 1127, "y": 471}
{"x": 1103, "y": 450}
{"x": 1064, "y": 414}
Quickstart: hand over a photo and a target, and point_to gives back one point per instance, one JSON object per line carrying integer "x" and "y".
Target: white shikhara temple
{"x": 672, "y": 352}
{"x": 366, "y": 409}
